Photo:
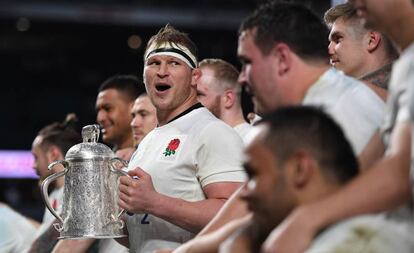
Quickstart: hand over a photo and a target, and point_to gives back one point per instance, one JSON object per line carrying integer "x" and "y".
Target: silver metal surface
{"x": 45, "y": 185}
{"x": 90, "y": 197}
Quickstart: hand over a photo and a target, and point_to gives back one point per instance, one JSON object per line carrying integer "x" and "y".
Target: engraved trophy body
{"x": 90, "y": 194}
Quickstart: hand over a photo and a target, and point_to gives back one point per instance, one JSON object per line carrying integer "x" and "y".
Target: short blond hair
{"x": 346, "y": 11}
{"x": 225, "y": 73}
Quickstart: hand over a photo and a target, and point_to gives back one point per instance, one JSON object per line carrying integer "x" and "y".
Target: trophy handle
{"x": 45, "y": 185}
{"x": 120, "y": 172}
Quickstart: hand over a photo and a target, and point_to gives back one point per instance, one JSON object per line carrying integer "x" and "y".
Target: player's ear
{"x": 373, "y": 41}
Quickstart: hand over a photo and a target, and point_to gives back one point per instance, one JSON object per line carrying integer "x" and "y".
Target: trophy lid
{"x": 89, "y": 148}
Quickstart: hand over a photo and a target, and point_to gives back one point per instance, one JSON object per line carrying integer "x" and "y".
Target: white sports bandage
{"x": 172, "y": 49}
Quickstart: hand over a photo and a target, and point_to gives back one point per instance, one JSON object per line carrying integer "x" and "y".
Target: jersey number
{"x": 144, "y": 219}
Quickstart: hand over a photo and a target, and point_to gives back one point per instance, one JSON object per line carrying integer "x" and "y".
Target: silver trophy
{"x": 90, "y": 195}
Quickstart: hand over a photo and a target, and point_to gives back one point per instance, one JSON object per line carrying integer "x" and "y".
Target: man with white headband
{"x": 185, "y": 169}
{"x": 172, "y": 49}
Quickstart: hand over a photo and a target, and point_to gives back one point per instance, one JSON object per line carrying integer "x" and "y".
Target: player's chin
{"x": 138, "y": 138}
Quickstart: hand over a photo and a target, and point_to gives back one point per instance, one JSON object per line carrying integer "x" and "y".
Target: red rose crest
{"x": 172, "y": 147}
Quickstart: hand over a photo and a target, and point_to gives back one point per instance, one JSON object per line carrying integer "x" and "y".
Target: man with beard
{"x": 219, "y": 91}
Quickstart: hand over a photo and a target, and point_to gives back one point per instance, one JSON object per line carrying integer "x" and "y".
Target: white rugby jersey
{"x": 182, "y": 157}
{"x": 354, "y": 106}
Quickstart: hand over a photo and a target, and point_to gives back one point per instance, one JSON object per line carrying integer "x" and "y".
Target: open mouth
{"x": 162, "y": 87}
{"x": 102, "y": 128}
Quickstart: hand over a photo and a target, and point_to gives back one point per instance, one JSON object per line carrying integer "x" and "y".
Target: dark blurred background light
{"x": 23, "y": 24}
{"x": 134, "y": 41}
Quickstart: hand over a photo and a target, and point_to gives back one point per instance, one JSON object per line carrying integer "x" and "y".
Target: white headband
{"x": 172, "y": 49}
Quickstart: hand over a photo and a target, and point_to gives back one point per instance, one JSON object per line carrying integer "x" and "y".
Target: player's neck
{"x": 232, "y": 118}
{"x": 166, "y": 116}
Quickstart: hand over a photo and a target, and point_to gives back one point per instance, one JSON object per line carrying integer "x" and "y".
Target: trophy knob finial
{"x": 90, "y": 133}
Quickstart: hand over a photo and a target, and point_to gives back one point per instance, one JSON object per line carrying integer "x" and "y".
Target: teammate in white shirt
{"x": 219, "y": 91}
{"x": 186, "y": 167}
{"x": 290, "y": 67}
{"x": 366, "y": 193}
{"x": 17, "y": 232}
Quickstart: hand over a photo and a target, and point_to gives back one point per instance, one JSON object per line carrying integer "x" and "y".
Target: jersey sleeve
{"x": 219, "y": 156}
{"x": 360, "y": 113}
